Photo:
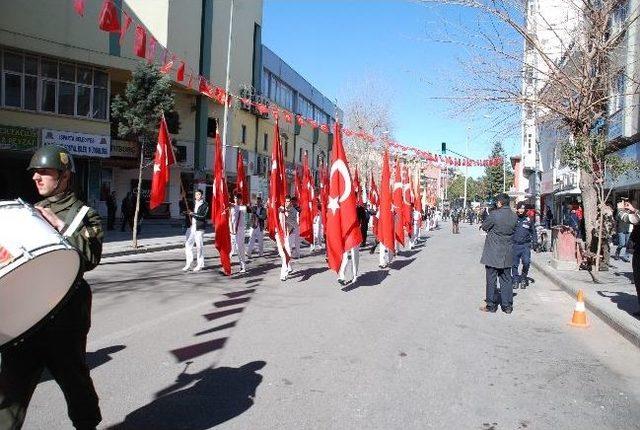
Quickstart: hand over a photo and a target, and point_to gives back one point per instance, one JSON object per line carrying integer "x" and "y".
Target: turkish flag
{"x": 385, "y": 213}
{"x": 407, "y": 203}
{"x": 125, "y": 27}
{"x": 164, "y": 158}
{"x": 180, "y": 73}
{"x": 374, "y": 201}
{"x": 357, "y": 188}
{"x": 79, "y": 6}
{"x": 287, "y": 117}
{"x": 242, "y": 187}
{"x": 167, "y": 67}
{"x": 220, "y": 209}
{"x": 277, "y": 194}
{"x": 306, "y": 202}
{"x": 343, "y": 227}
{"x": 140, "y": 42}
{"x": 108, "y": 18}
{"x": 398, "y": 204}
{"x": 296, "y": 184}
{"x": 324, "y": 194}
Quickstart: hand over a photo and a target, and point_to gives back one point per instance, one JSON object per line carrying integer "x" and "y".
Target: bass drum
{"x": 38, "y": 268}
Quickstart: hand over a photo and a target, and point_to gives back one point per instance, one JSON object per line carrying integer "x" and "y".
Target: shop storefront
{"x": 628, "y": 184}
{"x": 17, "y": 145}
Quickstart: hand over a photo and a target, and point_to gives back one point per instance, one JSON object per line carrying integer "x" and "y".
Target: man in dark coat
{"x": 497, "y": 255}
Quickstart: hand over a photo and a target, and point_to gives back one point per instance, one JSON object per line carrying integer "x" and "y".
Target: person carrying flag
{"x": 237, "y": 226}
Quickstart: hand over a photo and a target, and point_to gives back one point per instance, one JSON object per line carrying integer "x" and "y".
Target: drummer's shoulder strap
{"x": 74, "y": 218}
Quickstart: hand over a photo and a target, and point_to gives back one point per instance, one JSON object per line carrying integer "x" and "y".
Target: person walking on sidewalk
{"x": 195, "y": 233}
{"x": 524, "y": 237}
{"x": 628, "y": 214}
{"x": 455, "y": 221}
{"x": 256, "y": 233}
{"x": 497, "y": 255}
{"x": 623, "y": 228}
{"x": 237, "y": 225}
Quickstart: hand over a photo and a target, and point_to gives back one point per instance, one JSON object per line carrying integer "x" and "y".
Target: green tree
{"x": 494, "y": 175}
{"x": 455, "y": 190}
{"x": 137, "y": 114}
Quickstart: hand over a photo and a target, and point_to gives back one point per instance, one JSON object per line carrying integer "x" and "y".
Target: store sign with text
{"x": 82, "y": 144}
{"x": 124, "y": 149}
{"x": 18, "y": 138}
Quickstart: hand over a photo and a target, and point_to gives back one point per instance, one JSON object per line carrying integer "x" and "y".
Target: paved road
{"x": 402, "y": 349}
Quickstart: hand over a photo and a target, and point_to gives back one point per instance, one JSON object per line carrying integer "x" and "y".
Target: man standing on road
{"x": 60, "y": 344}
{"x": 256, "y": 234}
{"x": 623, "y": 227}
{"x": 497, "y": 255}
{"x": 195, "y": 233}
{"x": 524, "y": 237}
{"x": 293, "y": 214}
{"x": 628, "y": 214}
{"x": 455, "y": 221}
{"x": 237, "y": 225}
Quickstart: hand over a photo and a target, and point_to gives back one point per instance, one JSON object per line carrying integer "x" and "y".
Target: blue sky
{"x": 333, "y": 43}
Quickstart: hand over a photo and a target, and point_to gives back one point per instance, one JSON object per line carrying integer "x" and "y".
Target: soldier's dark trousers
{"x": 455, "y": 227}
{"x": 521, "y": 253}
{"x": 60, "y": 346}
{"x": 635, "y": 265}
{"x": 505, "y": 299}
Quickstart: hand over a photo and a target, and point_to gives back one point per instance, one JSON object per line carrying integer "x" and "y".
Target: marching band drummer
{"x": 60, "y": 344}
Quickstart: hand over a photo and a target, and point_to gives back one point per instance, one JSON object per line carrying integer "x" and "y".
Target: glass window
{"x": 84, "y": 75}
{"x": 48, "y": 100}
{"x": 50, "y": 69}
{"x": 13, "y": 62}
{"x": 84, "y": 101}
{"x": 244, "y": 133}
{"x": 100, "y": 79}
{"x": 66, "y": 100}
{"x": 67, "y": 72}
{"x": 31, "y": 65}
{"x": 99, "y": 103}
{"x": 12, "y": 90}
{"x": 30, "y": 92}
{"x": 265, "y": 143}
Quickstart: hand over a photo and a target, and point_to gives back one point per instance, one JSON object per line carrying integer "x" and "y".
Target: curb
{"x": 608, "y": 318}
{"x": 148, "y": 249}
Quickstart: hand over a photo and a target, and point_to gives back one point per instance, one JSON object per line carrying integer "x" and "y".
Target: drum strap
{"x": 76, "y": 221}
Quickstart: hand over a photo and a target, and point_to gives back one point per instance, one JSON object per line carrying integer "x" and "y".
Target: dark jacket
{"x": 525, "y": 232}
{"x": 201, "y": 216}
{"x": 498, "y": 245}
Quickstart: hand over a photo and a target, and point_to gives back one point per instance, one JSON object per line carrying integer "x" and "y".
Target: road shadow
{"x": 624, "y": 301}
{"x": 168, "y": 260}
{"x": 628, "y": 275}
{"x": 196, "y": 350}
{"x": 409, "y": 254}
{"x": 400, "y": 264}
{"x": 93, "y": 359}
{"x": 307, "y": 274}
{"x": 367, "y": 280}
{"x": 215, "y": 329}
{"x": 219, "y": 394}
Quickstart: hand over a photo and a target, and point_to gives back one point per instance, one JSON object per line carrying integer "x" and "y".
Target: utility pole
{"x": 226, "y": 87}
{"x": 466, "y": 170}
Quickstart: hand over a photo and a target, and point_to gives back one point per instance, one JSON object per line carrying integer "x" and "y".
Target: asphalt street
{"x": 405, "y": 348}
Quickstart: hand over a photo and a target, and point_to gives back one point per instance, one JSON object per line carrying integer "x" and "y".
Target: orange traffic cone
{"x": 579, "y": 314}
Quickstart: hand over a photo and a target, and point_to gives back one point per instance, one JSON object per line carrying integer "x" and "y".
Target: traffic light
{"x": 444, "y": 147}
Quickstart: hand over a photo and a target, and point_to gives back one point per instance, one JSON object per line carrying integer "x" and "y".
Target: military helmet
{"x": 52, "y": 157}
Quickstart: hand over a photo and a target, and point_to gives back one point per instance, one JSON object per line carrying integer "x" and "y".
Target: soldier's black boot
{"x": 516, "y": 285}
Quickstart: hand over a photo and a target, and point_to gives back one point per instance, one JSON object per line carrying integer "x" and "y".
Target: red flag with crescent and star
{"x": 163, "y": 158}
{"x": 324, "y": 194}
{"x": 241, "y": 186}
{"x": 385, "y": 214}
{"x": 220, "y": 210}
{"x": 306, "y": 202}
{"x": 407, "y": 207}
{"x": 357, "y": 188}
{"x": 343, "y": 227}
{"x": 277, "y": 194}
{"x": 374, "y": 201}
{"x": 398, "y": 205}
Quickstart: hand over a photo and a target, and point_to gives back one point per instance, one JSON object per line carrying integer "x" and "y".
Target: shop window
{"x": 211, "y": 127}
{"x": 244, "y": 133}
{"x": 46, "y": 85}
{"x": 265, "y": 143}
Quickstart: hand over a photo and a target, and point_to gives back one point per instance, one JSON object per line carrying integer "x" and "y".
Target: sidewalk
{"x": 613, "y": 299}
{"x": 156, "y": 235}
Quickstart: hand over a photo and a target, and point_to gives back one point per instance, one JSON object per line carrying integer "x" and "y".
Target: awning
{"x": 571, "y": 191}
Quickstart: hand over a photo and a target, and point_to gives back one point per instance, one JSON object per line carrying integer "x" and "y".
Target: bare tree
{"x": 575, "y": 57}
{"x": 367, "y": 109}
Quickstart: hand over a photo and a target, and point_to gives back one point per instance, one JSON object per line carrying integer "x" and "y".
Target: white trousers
{"x": 194, "y": 236}
{"x": 284, "y": 268}
{"x": 355, "y": 262}
{"x": 317, "y": 236}
{"x": 385, "y": 255}
{"x": 237, "y": 242}
{"x": 256, "y": 236}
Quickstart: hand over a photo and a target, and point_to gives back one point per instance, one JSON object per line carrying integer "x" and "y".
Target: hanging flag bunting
{"x": 288, "y": 118}
{"x": 151, "y": 52}
{"x": 300, "y": 120}
{"x": 108, "y": 18}
{"x": 140, "y": 42}
{"x": 167, "y": 67}
{"x": 79, "y": 7}
{"x": 125, "y": 27}
{"x": 180, "y": 72}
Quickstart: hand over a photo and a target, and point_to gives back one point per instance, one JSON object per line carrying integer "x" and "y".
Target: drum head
{"x": 33, "y": 289}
